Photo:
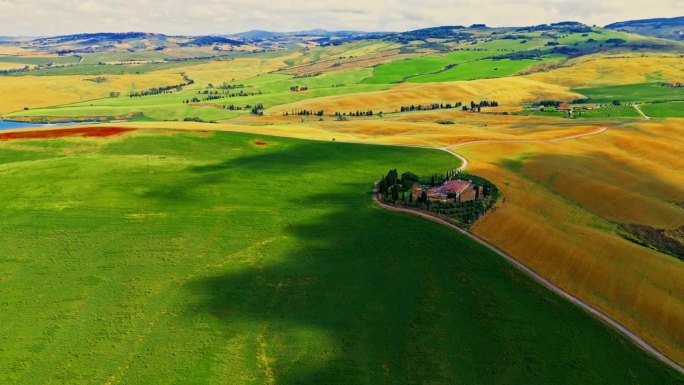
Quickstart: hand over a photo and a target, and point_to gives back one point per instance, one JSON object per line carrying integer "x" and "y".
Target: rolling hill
{"x": 668, "y": 28}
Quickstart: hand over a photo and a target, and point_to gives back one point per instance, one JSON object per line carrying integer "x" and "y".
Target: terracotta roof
{"x": 452, "y": 186}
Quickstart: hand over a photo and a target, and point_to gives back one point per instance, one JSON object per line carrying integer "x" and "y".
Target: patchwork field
{"x": 507, "y": 91}
{"x": 218, "y": 226}
{"x": 159, "y": 252}
{"x": 34, "y": 91}
{"x": 559, "y": 193}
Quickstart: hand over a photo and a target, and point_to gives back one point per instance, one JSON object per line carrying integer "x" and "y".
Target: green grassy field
{"x": 608, "y": 111}
{"x": 480, "y": 69}
{"x": 232, "y": 263}
{"x": 274, "y": 88}
{"x": 109, "y": 69}
{"x": 398, "y": 71}
{"x": 664, "y": 110}
{"x": 642, "y": 92}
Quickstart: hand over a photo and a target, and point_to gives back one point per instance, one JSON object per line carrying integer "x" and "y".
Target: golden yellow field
{"x": 219, "y": 71}
{"x": 514, "y": 90}
{"x": 41, "y": 91}
{"x": 11, "y": 66}
{"x": 562, "y": 203}
{"x": 604, "y": 71}
{"x": 14, "y": 50}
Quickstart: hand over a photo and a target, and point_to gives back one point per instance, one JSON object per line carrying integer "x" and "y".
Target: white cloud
{"x": 50, "y": 17}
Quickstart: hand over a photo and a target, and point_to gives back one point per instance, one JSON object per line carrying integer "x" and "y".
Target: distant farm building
{"x": 451, "y": 187}
{"x": 564, "y": 107}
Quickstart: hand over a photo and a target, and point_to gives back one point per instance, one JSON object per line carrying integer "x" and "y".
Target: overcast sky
{"x": 52, "y": 17}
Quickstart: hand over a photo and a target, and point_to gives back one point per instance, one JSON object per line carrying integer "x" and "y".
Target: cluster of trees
{"x": 311, "y": 75}
{"x": 298, "y": 88}
{"x": 547, "y": 103}
{"x": 398, "y": 187}
{"x": 98, "y": 79}
{"x": 484, "y": 103}
{"x": 257, "y": 109}
{"x": 226, "y": 86}
{"x": 400, "y": 190}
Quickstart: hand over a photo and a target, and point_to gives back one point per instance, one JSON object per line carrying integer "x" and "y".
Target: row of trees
{"x": 226, "y": 86}
{"x": 256, "y": 109}
{"x": 354, "y": 113}
{"x": 310, "y": 75}
{"x": 428, "y": 107}
{"x": 226, "y": 94}
{"x": 163, "y": 90}
{"x": 445, "y": 106}
{"x": 304, "y": 113}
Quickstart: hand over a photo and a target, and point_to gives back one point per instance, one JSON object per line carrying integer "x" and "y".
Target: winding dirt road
{"x": 528, "y": 271}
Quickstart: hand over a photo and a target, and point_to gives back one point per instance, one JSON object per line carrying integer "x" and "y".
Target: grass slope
{"x": 640, "y": 92}
{"x": 480, "y": 69}
{"x": 237, "y": 263}
{"x": 664, "y": 110}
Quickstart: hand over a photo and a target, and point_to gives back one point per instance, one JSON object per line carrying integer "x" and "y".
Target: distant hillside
{"x": 98, "y": 37}
{"x": 672, "y": 28}
{"x": 211, "y": 40}
{"x": 259, "y": 35}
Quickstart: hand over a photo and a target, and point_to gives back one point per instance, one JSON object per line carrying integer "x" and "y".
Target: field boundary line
{"x": 636, "y": 107}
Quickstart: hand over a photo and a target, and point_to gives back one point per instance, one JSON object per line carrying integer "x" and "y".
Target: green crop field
{"x": 204, "y": 258}
{"x": 274, "y": 88}
{"x": 642, "y": 92}
{"x": 480, "y": 69}
{"x": 398, "y": 71}
{"x": 664, "y": 110}
{"x": 610, "y": 111}
{"x": 607, "y": 111}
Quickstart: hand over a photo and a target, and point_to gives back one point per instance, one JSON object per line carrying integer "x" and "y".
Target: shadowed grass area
{"x": 228, "y": 262}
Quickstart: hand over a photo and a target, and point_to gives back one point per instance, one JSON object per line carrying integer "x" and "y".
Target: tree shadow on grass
{"x": 406, "y": 301}
{"x": 277, "y": 163}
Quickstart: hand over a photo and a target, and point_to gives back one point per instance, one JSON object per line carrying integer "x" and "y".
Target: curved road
{"x": 529, "y": 272}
